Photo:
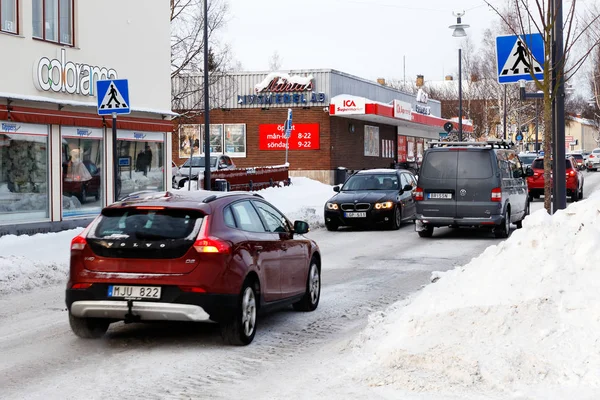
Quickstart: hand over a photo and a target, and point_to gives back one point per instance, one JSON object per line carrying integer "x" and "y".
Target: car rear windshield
{"x": 148, "y": 224}
{"x": 198, "y": 162}
{"x": 577, "y": 156}
{"x": 539, "y": 164}
{"x": 526, "y": 159}
{"x": 464, "y": 164}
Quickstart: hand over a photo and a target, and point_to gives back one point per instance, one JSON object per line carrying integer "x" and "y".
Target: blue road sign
{"x": 518, "y": 55}
{"x": 113, "y": 96}
{"x": 288, "y": 125}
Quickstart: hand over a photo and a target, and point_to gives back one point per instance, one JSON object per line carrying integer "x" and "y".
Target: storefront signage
{"x": 73, "y": 132}
{"x": 304, "y": 137}
{"x": 345, "y": 105}
{"x": 10, "y": 127}
{"x": 402, "y": 110}
{"x": 141, "y": 136}
{"x": 402, "y": 148}
{"x": 282, "y": 88}
{"x": 23, "y": 128}
{"x": 277, "y": 82}
{"x": 287, "y": 98}
{"x": 422, "y": 99}
{"x": 69, "y": 77}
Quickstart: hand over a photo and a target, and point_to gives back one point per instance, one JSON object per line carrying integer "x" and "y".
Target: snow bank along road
{"x": 363, "y": 272}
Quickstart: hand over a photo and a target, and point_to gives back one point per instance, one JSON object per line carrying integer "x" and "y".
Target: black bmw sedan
{"x": 373, "y": 197}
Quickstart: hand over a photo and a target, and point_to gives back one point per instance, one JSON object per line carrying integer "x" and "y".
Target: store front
{"x": 24, "y": 172}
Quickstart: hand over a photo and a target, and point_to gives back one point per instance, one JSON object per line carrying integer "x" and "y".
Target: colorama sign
{"x": 303, "y": 137}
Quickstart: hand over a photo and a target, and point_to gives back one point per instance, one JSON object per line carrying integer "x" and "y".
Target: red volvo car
{"x": 199, "y": 256}
{"x": 573, "y": 176}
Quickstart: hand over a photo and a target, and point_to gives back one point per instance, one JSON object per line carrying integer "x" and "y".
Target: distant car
{"x": 471, "y": 184}
{"x": 574, "y": 180}
{"x": 217, "y": 163}
{"x": 527, "y": 159}
{"x": 200, "y": 256}
{"x": 579, "y": 160}
{"x": 593, "y": 162}
{"x": 372, "y": 197}
{"x": 82, "y": 185}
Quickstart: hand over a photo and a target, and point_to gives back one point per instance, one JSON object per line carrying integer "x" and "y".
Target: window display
{"x": 235, "y": 140}
{"x": 216, "y": 138}
{"x": 141, "y": 161}
{"x": 23, "y": 172}
{"x": 82, "y": 171}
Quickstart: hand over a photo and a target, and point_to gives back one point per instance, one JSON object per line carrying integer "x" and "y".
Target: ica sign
{"x": 348, "y": 105}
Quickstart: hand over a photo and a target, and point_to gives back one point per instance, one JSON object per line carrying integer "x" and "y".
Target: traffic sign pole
{"x": 287, "y": 132}
{"x": 116, "y": 158}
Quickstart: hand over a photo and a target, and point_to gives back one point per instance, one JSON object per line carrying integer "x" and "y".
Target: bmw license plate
{"x": 134, "y": 292}
{"x": 439, "y": 195}
{"x": 355, "y": 214}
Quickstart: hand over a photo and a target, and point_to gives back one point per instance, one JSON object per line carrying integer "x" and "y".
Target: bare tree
{"x": 275, "y": 61}
{"x": 538, "y": 16}
{"x": 187, "y": 50}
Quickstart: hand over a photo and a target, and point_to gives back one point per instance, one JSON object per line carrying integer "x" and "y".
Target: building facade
{"x": 339, "y": 120}
{"x": 56, "y": 158}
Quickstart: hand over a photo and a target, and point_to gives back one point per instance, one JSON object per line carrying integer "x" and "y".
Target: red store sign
{"x": 304, "y": 137}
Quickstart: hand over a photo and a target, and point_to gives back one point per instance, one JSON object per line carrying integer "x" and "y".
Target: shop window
{"x": 82, "y": 171}
{"x": 9, "y": 16}
{"x": 53, "y": 20}
{"x": 23, "y": 172}
{"x": 235, "y": 140}
{"x": 141, "y": 161}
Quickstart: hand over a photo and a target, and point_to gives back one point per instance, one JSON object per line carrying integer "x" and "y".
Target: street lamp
{"x": 459, "y": 31}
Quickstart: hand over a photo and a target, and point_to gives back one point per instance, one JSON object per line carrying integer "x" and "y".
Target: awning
{"x": 415, "y": 124}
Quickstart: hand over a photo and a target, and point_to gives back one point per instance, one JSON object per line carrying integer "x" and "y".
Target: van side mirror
{"x": 301, "y": 227}
{"x": 336, "y": 189}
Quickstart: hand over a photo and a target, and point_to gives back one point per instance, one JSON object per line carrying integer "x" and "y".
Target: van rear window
{"x": 474, "y": 165}
{"x": 440, "y": 165}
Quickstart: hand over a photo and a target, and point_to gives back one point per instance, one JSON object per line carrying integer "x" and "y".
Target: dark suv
{"x": 194, "y": 256}
{"x": 479, "y": 184}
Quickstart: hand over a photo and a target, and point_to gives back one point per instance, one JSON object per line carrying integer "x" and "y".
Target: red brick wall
{"x": 348, "y": 148}
{"x": 253, "y": 117}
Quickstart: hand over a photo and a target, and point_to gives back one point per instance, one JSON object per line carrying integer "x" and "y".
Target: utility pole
{"x": 558, "y": 64}
{"x": 206, "y": 105}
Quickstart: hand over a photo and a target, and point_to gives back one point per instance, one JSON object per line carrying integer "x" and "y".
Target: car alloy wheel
{"x": 310, "y": 300}
{"x": 248, "y": 311}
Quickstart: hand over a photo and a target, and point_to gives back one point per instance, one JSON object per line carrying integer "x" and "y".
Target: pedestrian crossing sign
{"x": 518, "y": 56}
{"x": 113, "y": 96}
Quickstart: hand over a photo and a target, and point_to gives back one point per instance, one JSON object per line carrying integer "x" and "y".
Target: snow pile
{"x": 521, "y": 319}
{"x": 303, "y": 200}
{"x": 27, "y": 262}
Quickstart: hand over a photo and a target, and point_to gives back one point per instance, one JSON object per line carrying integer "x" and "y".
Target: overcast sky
{"x": 367, "y": 38}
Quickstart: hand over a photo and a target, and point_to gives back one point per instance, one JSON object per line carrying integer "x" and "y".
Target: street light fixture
{"x": 459, "y": 31}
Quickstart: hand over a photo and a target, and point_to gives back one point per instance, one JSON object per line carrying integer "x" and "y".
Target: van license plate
{"x": 355, "y": 215}
{"x": 439, "y": 195}
{"x": 134, "y": 292}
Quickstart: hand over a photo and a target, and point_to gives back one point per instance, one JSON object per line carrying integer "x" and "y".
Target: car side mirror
{"x": 528, "y": 172}
{"x": 336, "y": 189}
{"x": 301, "y": 227}
{"x": 407, "y": 188}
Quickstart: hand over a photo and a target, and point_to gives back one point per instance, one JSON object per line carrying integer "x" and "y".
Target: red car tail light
{"x": 210, "y": 244}
{"x": 192, "y": 289}
{"x": 78, "y": 242}
{"x": 418, "y": 194}
{"x": 571, "y": 173}
{"x": 497, "y": 194}
{"x": 81, "y": 286}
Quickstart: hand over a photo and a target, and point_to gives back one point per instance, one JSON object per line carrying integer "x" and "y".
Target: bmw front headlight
{"x": 332, "y": 206}
{"x": 384, "y": 206}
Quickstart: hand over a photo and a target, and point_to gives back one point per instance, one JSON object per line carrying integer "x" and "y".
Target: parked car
{"x": 579, "y": 160}
{"x": 217, "y": 163}
{"x": 82, "y": 183}
{"x": 193, "y": 256}
{"x": 527, "y": 159}
{"x": 372, "y": 197}
{"x": 594, "y": 160}
{"x": 474, "y": 184}
{"x": 574, "y": 180}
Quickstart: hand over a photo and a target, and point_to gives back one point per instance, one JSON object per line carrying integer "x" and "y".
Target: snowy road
{"x": 291, "y": 356}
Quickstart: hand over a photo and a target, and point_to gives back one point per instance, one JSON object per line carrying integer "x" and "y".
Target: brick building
{"x": 339, "y": 120}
